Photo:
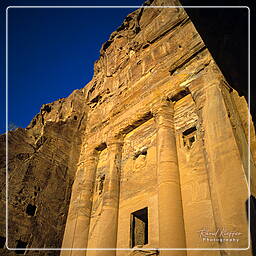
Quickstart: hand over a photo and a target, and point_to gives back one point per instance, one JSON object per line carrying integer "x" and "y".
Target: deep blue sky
{"x": 52, "y": 51}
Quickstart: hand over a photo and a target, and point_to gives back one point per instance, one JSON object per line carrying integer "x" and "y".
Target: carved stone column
{"x": 109, "y": 217}
{"x": 78, "y": 220}
{"x": 226, "y": 169}
{"x": 171, "y": 225}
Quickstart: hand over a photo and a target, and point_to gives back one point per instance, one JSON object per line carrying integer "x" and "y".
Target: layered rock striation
{"x": 157, "y": 128}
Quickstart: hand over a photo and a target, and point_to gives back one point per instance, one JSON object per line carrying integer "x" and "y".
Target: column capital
{"x": 88, "y": 148}
{"x": 163, "y": 114}
{"x": 115, "y": 141}
{"x": 90, "y": 155}
{"x": 162, "y": 108}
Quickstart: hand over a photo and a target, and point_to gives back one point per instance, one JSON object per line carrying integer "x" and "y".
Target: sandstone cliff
{"x": 156, "y": 53}
{"x": 42, "y": 162}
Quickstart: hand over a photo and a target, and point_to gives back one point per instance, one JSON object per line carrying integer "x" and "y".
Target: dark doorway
{"x": 139, "y": 227}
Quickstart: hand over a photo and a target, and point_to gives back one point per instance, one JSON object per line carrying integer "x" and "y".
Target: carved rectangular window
{"x": 189, "y": 137}
{"x": 143, "y": 151}
{"x": 2, "y": 241}
{"x": 139, "y": 227}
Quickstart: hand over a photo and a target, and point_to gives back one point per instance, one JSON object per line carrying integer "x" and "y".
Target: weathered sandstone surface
{"x": 157, "y": 139}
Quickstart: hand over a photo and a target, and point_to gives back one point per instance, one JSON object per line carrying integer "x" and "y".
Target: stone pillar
{"x": 229, "y": 187}
{"x": 78, "y": 220}
{"x": 109, "y": 217}
{"x": 171, "y": 224}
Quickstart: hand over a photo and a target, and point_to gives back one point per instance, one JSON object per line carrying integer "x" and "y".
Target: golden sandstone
{"x": 151, "y": 154}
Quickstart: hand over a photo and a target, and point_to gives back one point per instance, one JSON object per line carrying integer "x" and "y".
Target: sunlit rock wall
{"x": 151, "y": 153}
{"x": 41, "y": 166}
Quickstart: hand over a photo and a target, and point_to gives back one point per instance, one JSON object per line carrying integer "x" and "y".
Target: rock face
{"x": 152, "y": 153}
{"x": 41, "y": 168}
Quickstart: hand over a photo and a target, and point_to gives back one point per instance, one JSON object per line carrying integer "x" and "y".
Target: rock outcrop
{"x": 157, "y": 132}
{"x": 41, "y": 166}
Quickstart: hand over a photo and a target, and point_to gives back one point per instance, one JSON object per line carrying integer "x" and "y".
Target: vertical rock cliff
{"x": 154, "y": 72}
{"x": 42, "y": 162}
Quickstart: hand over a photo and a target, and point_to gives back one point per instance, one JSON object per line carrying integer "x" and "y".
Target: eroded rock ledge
{"x": 155, "y": 54}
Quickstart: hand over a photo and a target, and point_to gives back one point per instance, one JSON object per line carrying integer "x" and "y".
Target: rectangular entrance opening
{"x": 139, "y": 227}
